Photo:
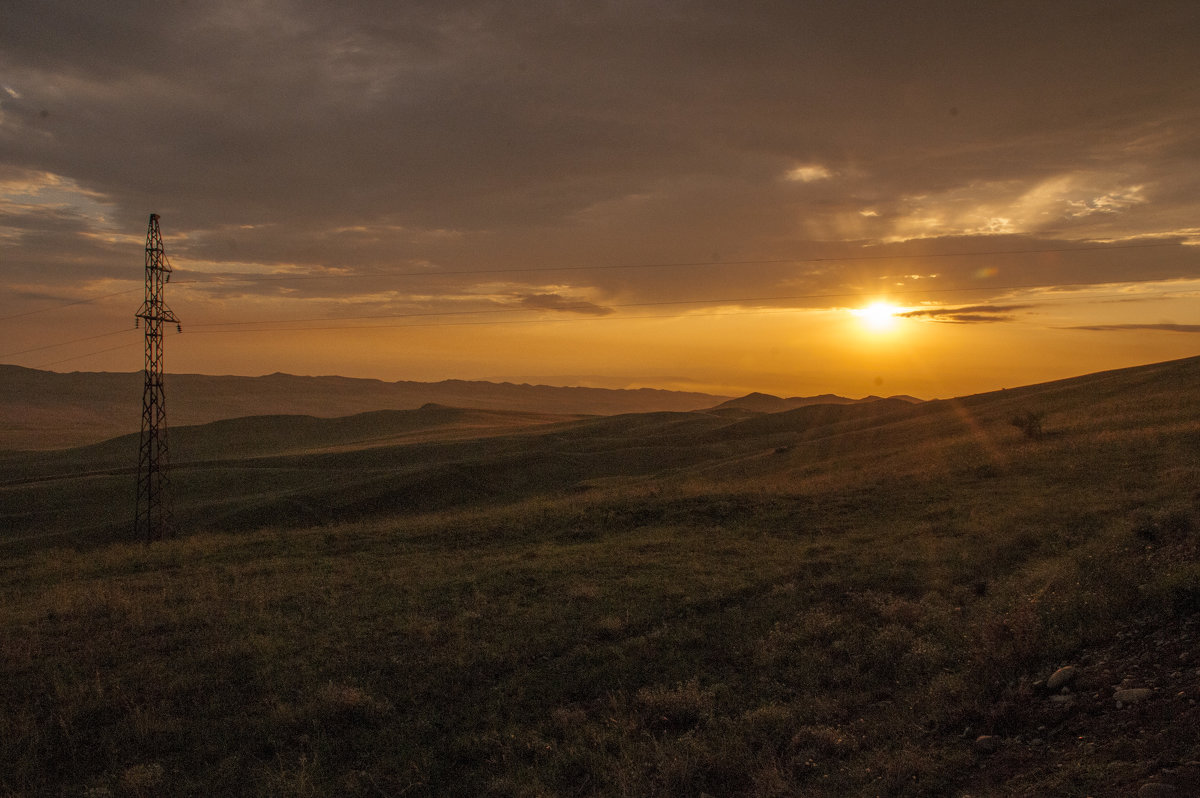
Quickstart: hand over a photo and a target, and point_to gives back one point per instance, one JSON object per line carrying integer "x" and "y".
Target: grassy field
{"x": 830, "y": 601}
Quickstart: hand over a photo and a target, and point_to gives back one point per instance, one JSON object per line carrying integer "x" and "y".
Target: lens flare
{"x": 878, "y": 316}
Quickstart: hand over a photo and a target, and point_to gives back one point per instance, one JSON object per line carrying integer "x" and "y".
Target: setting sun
{"x": 878, "y": 316}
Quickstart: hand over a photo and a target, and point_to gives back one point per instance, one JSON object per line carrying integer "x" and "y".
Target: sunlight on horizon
{"x": 878, "y": 317}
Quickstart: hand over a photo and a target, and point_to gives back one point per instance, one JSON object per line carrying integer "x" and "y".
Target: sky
{"x": 688, "y": 195}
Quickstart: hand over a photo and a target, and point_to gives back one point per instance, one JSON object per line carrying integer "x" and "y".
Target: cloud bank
{"x": 427, "y": 156}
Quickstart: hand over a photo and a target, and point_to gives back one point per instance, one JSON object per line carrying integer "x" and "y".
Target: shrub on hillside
{"x": 1164, "y": 527}
{"x": 1030, "y": 422}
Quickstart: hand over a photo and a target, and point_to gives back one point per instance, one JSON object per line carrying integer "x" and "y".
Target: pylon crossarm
{"x": 153, "y": 518}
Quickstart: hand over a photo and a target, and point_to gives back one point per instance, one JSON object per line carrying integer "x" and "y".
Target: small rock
{"x": 1157, "y": 790}
{"x": 1062, "y": 677}
{"x": 1132, "y": 695}
{"x": 987, "y": 743}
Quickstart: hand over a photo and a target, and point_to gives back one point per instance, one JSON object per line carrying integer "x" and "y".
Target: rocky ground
{"x": 1120, "y": 719}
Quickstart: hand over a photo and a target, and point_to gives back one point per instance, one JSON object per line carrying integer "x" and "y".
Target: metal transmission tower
{"x": 153, "y": 519}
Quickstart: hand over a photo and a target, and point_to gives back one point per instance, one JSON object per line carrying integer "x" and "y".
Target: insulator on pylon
{"x": 136, "y": 322}
{"x": 152, "y": 519}
{"x": 178, "y": 328}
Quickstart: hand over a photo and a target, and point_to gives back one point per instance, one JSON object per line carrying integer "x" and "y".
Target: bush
{"x": 1030, "y": 423}
{"x": 1163, "y": 527}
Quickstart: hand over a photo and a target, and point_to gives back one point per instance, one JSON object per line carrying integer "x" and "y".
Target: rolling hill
{"x": 875, "y": 598}
{"x": 768, "y": 403}
{"x": 238, "y": 473}
{"x": 49, "y": 410}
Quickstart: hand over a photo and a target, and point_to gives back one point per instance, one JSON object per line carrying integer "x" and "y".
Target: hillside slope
{"x": 873, "y": 599}
{"x": 293, "y": 469}
{"x": 48, "y": 410}
{"x": 768, "y": 403}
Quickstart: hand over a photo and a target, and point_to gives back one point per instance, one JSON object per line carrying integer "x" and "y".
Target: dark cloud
{"x": 973, "y": 314}
{"x": 490, "y": 114}
{"x": 58, "y": 246}
{"x": 428, "y": 153}
{"x": 1165, "y": 327}
{"x": 563, "y": 304}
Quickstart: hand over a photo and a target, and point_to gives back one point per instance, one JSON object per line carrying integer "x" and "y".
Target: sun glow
{"x": 878, "y": 316}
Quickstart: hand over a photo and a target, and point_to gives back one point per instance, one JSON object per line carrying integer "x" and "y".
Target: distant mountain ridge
{"x": 768, "y": 403}
{"x": 46, "y": 410}
{"x": 269, "y": 469}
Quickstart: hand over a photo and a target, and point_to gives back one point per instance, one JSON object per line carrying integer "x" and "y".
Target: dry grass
{"x": 825, "y": 621}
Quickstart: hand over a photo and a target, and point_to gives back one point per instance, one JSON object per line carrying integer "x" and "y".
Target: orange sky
{"x": 679, "y": 195}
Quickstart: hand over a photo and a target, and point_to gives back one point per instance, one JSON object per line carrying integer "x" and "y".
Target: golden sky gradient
{"x": 681, "y": 194}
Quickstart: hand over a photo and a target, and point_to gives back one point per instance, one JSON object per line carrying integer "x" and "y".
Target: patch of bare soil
{"x": 1120, "y": 719}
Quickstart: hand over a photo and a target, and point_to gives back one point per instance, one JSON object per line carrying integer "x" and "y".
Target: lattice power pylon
{"x": 153, "y": 519}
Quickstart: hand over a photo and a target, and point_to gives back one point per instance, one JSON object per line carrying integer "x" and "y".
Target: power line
{"x": 591, "y": 306}
{"x": 576, "y": 319}
{"x": 602, "y": 267}
{"x": 582, "y": 306}
{"x": 69, "y": 304}
{"x": 663, "y": 265}
{"x": 670, "y": 264}
{"x": 241, "y": 326}
{"x": 64, "y": 343}
{"x": 89, "y": 354}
